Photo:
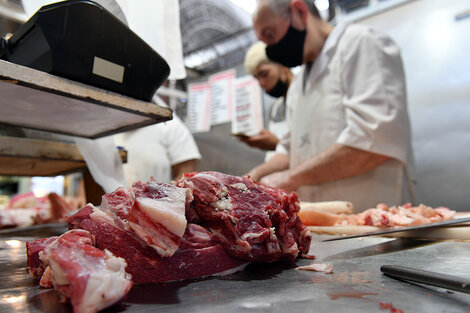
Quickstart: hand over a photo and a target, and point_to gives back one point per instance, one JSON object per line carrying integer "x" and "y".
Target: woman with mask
{"x": 347, "y": 109}
{"x": 274, "y": 79}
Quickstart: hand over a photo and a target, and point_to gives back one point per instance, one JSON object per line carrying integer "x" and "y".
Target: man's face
{"x": 269, "y": 28}
{"x": 267, "y": 74}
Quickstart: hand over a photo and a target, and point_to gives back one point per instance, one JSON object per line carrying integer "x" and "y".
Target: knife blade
{"x": 403, "y": 229}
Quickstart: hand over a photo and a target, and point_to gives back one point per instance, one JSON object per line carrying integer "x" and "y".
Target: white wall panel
{"x": 436, "y": 53}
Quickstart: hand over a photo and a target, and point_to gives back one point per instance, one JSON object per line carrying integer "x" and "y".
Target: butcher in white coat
{"x": 346, "y": 110}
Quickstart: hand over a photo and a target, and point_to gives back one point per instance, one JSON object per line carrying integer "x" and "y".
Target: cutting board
{"x": 458, "y": 232}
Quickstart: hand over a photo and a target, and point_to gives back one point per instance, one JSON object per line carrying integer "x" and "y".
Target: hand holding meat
{"x": 265, "y": 140}
{"x": 280, "y": 180}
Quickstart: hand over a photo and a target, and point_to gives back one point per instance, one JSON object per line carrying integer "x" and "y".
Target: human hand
{"x": 265, "y": 140}
{"x": 279, "y": 180}
{"x": 253, "y": 174}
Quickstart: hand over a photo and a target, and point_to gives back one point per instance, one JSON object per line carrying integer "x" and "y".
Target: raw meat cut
{"x": 18, "y": 217}
{"x": 327, "y": 268}
{"x": 34, "y": 266}
{"x": 154, "y": 212}
{"x": 205, "y": 224}
{"x": 27, "y": 200}
{"x": 122, "y": 226}
{"x": 199, "y": 254}
{"x": 381, "y": 216}
{"x": 254, "y": 222}
{"x": 26, "y": 210}
{"x": 90, "y": 278}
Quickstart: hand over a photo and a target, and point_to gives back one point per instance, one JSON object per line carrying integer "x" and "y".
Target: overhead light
{"x": 322, "y": 5}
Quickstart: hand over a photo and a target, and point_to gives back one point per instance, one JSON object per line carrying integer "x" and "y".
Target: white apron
{"x": 344, "y": 101}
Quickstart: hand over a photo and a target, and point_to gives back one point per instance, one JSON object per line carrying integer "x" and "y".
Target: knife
{"x": 426, "y": 277}
{"x": 406, "y": 228}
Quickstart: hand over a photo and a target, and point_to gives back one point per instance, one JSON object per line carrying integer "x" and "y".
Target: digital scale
{"x": 82, "y": 41}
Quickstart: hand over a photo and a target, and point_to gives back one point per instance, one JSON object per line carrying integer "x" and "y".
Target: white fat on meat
{"x": 240, "y": 186}
{"x": 69, "y": 262}
{"x": 106, "y": 286}
{"x": 46, "y": 279}
{"x": 164, "y": 245}
{"x": 224, "y": 204}
{"x": 169, "y": 212}
{"x": 56, "y": 274}
{"x": 101, "y": 216}
{"x": 160, "y": 222}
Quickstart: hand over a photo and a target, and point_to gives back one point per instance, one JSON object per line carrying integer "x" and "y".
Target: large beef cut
{"x": 254, "y": 222}
{"x": 91, "y": 279}
{"x": 203, "y": 225}
{"x": 199, "y": 254}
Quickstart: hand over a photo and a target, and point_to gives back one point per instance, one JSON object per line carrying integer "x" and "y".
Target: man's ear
{"x": 300, "y": 13}
{"x": 283, "y": 72}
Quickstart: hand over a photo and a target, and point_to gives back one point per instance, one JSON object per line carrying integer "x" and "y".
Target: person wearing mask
{"x": 274, "y": 79}
{"x": 347, "y": 108}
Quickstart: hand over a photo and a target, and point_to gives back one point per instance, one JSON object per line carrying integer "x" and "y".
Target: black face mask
{"x": 279, "y": 90}
{"x": 289, "y": 51}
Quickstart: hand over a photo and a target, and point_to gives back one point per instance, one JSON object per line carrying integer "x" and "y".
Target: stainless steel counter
{"x": 356, "y": 285}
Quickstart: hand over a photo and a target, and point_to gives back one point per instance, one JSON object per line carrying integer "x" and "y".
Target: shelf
{"x": 33, "y": 157}
{"x": 38, "y": 100}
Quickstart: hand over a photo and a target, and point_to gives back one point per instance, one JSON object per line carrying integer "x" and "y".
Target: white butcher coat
{"x": 277, "y": 123}
{"x": 152, "y": 150}
{"x": 354, "y": 95}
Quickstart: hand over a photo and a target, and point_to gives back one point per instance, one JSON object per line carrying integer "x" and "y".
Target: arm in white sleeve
{"x": 375, "y": 96}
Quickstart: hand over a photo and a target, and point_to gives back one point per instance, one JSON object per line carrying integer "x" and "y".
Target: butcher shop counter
{"x": 356, "y": 285}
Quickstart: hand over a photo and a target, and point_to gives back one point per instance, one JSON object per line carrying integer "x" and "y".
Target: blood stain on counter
{"x": 389, "y": 306}
{"x": 338, "y": 295}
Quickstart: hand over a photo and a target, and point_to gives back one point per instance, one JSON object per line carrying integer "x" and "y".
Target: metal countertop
{"x": 356, "y": 285}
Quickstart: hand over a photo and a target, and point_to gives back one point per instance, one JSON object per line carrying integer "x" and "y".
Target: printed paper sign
{"x": 221, "y": 90}
{"x": 198, "y": 118}
{"x": 247, "y": 109}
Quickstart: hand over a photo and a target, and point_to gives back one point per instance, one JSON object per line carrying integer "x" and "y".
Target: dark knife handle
{"x": 426, "y": 277}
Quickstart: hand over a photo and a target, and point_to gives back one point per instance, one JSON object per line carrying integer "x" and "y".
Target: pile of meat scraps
{"x": 381, "y": 216}
{"x": 27, "y": 209}
{"x": 205, "y": 224}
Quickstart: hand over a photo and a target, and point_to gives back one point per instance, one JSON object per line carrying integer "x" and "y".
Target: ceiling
{"x": 215, "y": 35}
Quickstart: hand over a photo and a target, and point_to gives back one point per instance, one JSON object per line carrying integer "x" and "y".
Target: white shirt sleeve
{"x": 375, "y": 96}
{"x": 179, "y": 142}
